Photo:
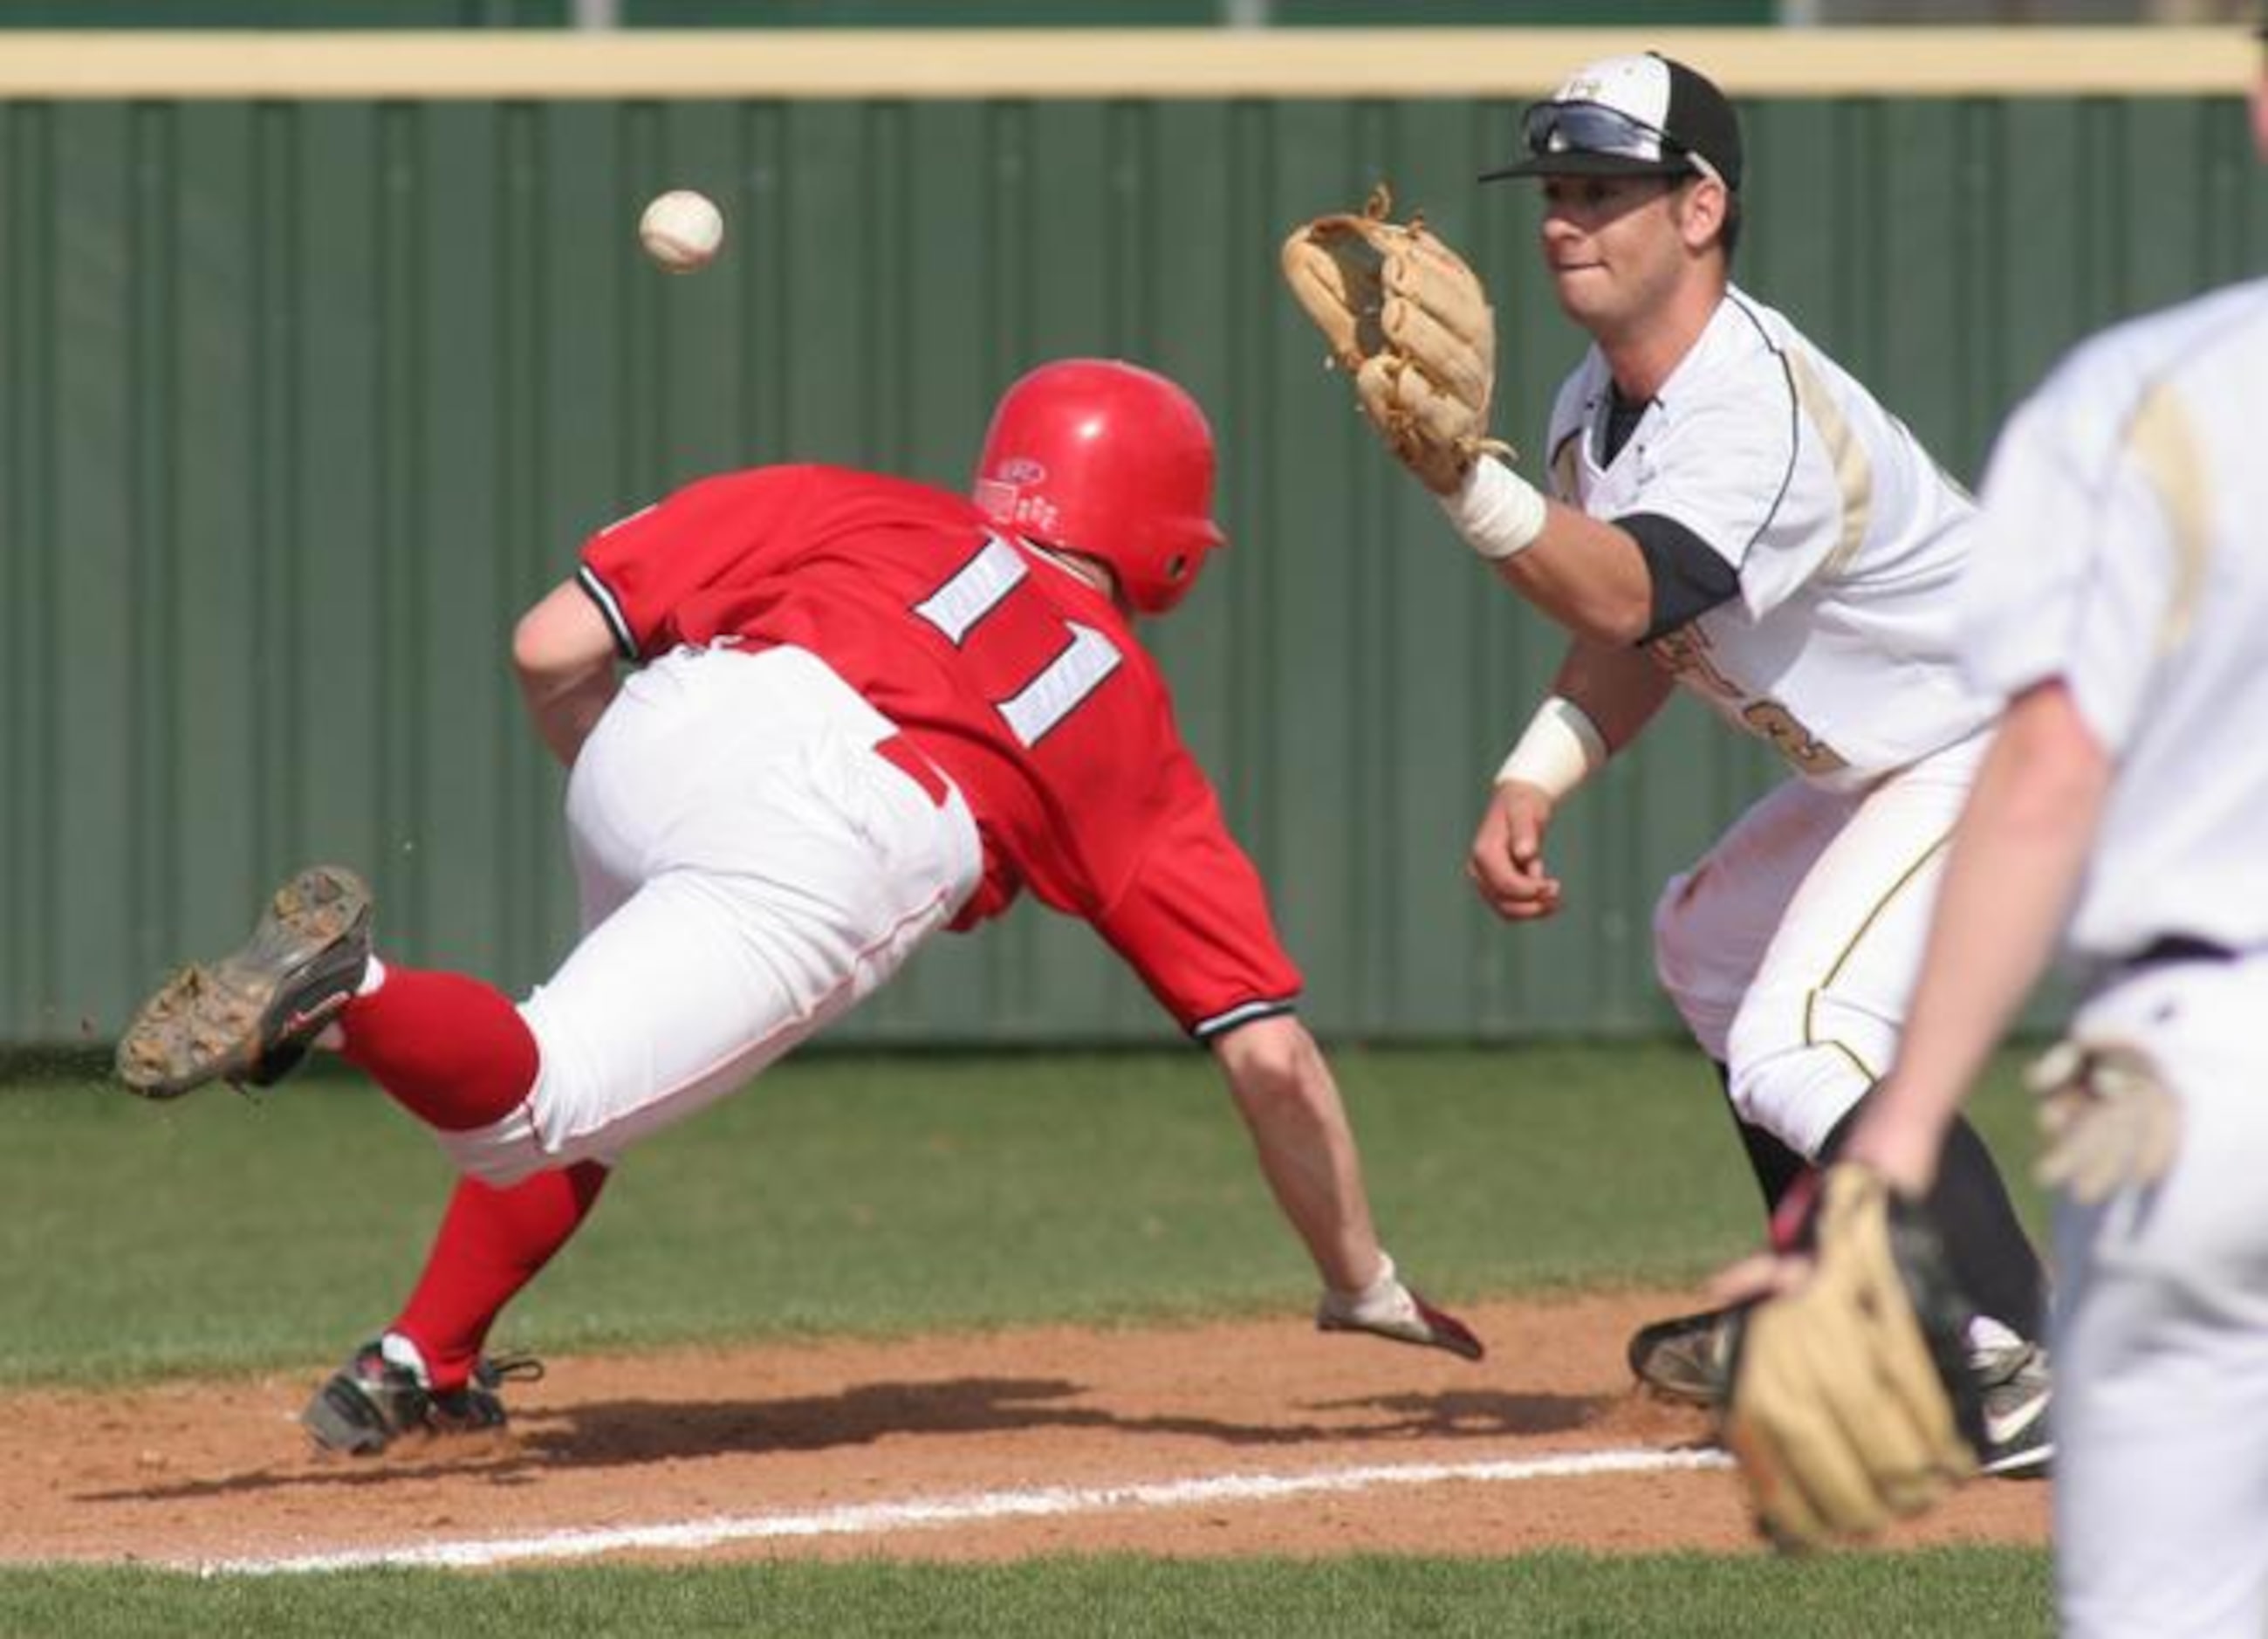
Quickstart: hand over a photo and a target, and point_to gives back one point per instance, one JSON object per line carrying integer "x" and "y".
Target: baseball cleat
{"x": 381, "y": 1394}
{"x": 1688, "y": 1359}
{"x": 251, "y": 1016}
{"x": 2015, "y": 1385}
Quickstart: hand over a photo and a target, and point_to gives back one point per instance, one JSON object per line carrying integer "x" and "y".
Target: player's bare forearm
{"x": 2018, "y": 855}
{"x": 1619, "y": 687}
{"x": 563, "y": 654}
{"x": 1587, "y": 575}
{"x": 1290, "y": 1105}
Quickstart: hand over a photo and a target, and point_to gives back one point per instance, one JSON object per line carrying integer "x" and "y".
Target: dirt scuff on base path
{"x": 191, "y": 1474}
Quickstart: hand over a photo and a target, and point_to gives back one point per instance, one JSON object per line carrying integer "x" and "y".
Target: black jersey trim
{"x": 1794, "y": 416}
{"x": 1688, "y": 577}
{"x": 598, "y": 592}
{"x": 1220, "y": 1023}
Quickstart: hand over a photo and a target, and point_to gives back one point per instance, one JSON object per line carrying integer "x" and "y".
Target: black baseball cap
{"x": 1639, "y": 116}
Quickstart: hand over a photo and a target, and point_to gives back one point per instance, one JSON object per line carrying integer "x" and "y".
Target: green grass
{"x": 852, "y": 1194}
{"x": 887, "y": 1195}
{"x": 1925, "y": 1595}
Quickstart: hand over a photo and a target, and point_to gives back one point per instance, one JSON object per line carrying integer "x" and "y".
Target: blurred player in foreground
{"x": 860, "y": 710}
{"x": 1730, "y": 512}
{"x": 2118, "y": 601}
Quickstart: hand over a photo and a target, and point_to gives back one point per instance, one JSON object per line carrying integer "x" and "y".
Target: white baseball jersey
{"x": 2122, "y": 550}
{"x": 1847, "y": 538}
{"x": 2126, "y": 550}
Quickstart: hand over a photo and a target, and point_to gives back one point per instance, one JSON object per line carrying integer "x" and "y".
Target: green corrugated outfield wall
{"x": 304, "y": 398}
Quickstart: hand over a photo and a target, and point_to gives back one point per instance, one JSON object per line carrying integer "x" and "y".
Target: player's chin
{"x": 1585, "y": 292}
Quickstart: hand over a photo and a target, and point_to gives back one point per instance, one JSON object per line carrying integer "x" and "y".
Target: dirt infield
{"x": 1248, "y": 1438}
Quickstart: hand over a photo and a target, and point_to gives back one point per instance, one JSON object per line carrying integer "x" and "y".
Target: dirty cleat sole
{"x": 250, "y": 1015}
{"x": 348, "y": 1417}
{"x": 1687, "y": 1360}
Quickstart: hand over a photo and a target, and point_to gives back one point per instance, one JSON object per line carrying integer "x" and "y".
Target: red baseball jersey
{"x": 1015, "y": 677}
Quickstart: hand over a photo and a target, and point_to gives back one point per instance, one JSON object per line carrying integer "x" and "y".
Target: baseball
{"x": 682, "y": 230}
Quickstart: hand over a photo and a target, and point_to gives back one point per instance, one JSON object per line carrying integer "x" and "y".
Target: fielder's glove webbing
{"x": 1409, "y": 321}
{"x": 1852, "y": 1400}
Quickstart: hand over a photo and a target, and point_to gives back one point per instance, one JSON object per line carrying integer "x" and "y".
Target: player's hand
{"x": 1506, "y": 862}
{"x": 1387, "y": 1309}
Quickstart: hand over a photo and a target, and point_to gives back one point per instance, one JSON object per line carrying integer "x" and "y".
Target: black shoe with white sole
{"x": 381, "y": 1394}
{"x": 2015, "y": 1384}
{"x": 1688, "y": 1359}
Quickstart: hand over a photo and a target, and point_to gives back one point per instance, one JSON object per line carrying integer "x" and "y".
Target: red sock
{"x": 452, "y": 1050}
{"x": 491, "y": 1244}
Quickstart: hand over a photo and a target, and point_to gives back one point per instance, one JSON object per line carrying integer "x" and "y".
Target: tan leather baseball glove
{"x": 1852, "y": 1402}
{"x": 1408, "y": 320}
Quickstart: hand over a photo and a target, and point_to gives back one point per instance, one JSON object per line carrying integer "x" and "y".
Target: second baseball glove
{"x": 1408, "y": 320}
{"x": 1852, "y": 1400}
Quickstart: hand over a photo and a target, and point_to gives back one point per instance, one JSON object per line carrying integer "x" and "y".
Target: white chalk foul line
{"x": 879, "y": 1518}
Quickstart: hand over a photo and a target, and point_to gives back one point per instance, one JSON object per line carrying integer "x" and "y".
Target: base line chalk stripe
{"x": 878, "y": 1518}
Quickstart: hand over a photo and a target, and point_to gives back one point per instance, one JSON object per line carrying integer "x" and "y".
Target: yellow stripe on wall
{"x": 1157, "y": 63}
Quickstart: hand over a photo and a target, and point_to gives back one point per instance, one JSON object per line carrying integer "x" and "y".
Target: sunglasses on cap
{"x": 1557, "y": 127}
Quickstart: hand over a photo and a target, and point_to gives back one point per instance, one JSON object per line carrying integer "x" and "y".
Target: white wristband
{"x": 1497, "y": 511}
{"x": 1561, "y": 748}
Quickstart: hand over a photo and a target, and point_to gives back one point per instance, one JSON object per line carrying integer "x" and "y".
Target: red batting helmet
{"x": 1108, "y": 461}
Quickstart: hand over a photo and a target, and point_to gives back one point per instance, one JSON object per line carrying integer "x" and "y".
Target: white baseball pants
{"x": 751, "y": 866}
{"x": 2160, "y": 1333}
{"x": 1791, "y": 946}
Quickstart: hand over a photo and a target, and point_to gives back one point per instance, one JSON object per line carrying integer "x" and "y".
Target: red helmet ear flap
{"x": 1179, "y": 552}
{"x": 1109, "y": 460}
